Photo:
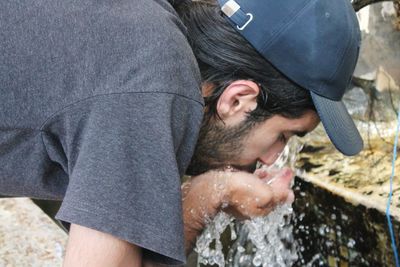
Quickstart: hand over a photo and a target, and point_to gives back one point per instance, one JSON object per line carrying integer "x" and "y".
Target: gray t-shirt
{"x": 100, "y": 106}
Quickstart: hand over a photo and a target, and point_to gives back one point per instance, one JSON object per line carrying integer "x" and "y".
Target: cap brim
{"x": 338, "y": 125}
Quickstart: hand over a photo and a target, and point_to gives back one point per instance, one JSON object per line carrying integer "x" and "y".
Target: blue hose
{"x": 392, "y": 237}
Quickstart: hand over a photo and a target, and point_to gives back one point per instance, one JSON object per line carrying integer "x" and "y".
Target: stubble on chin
{"x": 219, "y": 146}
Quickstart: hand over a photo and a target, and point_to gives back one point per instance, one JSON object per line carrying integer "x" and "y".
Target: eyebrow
{"x": 300, "y": 133}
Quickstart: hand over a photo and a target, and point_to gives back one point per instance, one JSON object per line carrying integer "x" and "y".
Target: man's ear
{"x": 239, "y": 98}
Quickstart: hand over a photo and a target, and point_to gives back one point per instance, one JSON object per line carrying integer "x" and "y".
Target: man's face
{"x": 241, "y": 146}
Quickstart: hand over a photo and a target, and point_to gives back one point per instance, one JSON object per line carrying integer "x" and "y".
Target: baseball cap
{"x": 315, "y": 43}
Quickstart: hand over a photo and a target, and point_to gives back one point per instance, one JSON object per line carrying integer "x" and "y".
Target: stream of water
{"x": 262, "y": 241}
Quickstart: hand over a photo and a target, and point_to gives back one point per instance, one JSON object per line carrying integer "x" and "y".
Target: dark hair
{"x": 224, "y": 56}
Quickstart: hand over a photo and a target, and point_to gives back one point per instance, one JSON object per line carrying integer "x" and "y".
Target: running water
{"x": 263, "y": 241}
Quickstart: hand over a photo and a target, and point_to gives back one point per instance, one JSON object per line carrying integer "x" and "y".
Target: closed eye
{"x": 300, "y": 134}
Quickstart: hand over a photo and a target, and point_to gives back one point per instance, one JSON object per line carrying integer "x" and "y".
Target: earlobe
{"x": 239, "y": 98}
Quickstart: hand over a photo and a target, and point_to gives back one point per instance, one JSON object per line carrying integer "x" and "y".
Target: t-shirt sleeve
{"x": 126, "y": 153}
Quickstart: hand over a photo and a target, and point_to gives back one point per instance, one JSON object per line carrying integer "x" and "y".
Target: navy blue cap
{"x": 315, "y": 43}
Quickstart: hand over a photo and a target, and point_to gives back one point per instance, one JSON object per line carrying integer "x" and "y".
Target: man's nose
{"x": 268, "y": 159}
{"x": 271, "y": 156}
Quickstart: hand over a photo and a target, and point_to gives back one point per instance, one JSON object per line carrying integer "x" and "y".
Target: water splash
{"x": 266, "y": 241}
{"x": 212, "y": 234}
{"x": 263, "y": 241}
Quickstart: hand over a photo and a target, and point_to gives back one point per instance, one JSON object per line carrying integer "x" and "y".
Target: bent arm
{"x": 88, "y": 247}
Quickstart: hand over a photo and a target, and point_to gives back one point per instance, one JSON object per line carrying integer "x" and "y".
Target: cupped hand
{"x": 241, "y": 194}
{"x": 253, "y": 195}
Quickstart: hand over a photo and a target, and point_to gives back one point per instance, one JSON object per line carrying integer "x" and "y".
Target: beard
{"x": 219, "y": 146}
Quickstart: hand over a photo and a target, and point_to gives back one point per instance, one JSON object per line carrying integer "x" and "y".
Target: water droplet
{"x": 206, "y": 253}
{"x": 221, "y": 187}
{"x": 224, "y": 205}
{"x": 333, "y": 216}
{"x": 327, "y": 14}
{"x": 321, "y": 230}
{"x": 257, "y": 261}
{"x": 219, "y": 259}
{"x": 204, "y": 261}
{"x": 351, "y": 243}
{"x": 211, "y": 260}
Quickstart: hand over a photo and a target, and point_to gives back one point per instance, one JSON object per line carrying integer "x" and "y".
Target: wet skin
{"x": 266, "y": 141}
{"x": 229, "y": 138}
{"x": 237, "y": 190}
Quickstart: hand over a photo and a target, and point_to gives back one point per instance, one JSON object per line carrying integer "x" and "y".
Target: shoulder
{"x": 144, "y": 47}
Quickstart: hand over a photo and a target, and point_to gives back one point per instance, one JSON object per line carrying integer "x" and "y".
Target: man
{"x": 101, "y": 107}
